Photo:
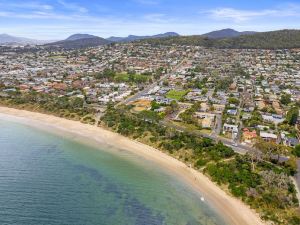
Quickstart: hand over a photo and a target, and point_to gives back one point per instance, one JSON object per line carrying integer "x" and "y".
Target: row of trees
{"x": 68, "y": 107}
{"x": 148, "y": 123}
{"x": 258, "y": 178}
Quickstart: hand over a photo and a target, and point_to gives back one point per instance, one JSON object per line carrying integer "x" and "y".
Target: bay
{"x": 51, "y": 179}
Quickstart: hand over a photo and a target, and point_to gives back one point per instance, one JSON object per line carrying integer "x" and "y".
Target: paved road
{"x": 151, "y": 86}
{"x": 218, "y": 126}
{"x": 298, "y": 174}
{"x": 143, "y": 92}
{"x": 239, "y": 148}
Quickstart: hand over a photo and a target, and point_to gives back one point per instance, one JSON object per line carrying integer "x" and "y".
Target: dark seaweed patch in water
{"x": 93, "y": 173}
{"x": 132, "y": 206}
{"x": 143, "y": 214}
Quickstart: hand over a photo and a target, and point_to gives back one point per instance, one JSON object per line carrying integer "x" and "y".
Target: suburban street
{"x": 241, "y": 149}
{"x": 151, "y": 86}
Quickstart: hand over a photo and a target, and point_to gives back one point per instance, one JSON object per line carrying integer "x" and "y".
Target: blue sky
{"x": 57, "y": 19}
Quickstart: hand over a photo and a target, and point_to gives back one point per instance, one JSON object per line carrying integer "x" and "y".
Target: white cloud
{"x": 238, "y": 15}
{"x": 156, "y": 17}
{"x": 73, "y": 6}
{"x": 4, "y": 14}
{"x": 147, "y": 2}
{"x": 62, "y": 18}
{"x": 36, "y": 10}
{"x": 27, "y": 5}
{"x": 33, "y": 15}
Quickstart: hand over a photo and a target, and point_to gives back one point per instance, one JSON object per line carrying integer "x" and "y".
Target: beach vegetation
{"x": 67, "y": 107}
{"x": 258, "y": 178}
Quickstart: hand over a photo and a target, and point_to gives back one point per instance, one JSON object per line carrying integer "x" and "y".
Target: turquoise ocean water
{"x": 46, "y": 179}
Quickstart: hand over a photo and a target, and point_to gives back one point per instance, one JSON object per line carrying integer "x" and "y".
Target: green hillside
{"x": 281, "y": 39}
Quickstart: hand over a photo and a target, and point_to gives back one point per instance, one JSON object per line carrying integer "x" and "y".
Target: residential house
{"x": 269, "y": 137}
{"x": 249, "y": 136}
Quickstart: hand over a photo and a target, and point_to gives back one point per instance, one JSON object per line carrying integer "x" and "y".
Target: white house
{"x": 273, "y": 118}
{"x": 230, "y": 128}
{"x": 268, "y": 136}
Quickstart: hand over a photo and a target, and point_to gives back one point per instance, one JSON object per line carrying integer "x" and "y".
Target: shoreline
{"x": 231, "y": 209}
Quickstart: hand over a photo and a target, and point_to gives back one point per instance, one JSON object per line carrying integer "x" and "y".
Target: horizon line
{"x": 157, "y": 33}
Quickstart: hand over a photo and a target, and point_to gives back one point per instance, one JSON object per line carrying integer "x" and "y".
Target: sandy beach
{"x": 234, "y": 211}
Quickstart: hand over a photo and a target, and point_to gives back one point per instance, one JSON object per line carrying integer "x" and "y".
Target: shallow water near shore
{"x": 49, "y": 179}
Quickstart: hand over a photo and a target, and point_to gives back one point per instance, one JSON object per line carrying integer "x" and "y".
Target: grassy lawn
{"x": 122, "y": 77}
{"x": 192, "y": 127}
{"x": 178, "y": 95}
{"x": 138, "y": 78}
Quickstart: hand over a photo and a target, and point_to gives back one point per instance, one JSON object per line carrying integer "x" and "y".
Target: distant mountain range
{"x": 226, "y": 38}
{"x": 75, "y": 37}
{"x": 226, "y": 33}
{"x": 281, "y": 39}
{"x": 78, "y": 41}
{"x": 87, "y": 40}
{"x": 6, "y": 39}
{"x": 136, "y": 38}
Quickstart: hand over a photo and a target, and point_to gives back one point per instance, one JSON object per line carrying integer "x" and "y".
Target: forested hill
{"x": 282, "y": 39}
{"x": 79, "y": 43}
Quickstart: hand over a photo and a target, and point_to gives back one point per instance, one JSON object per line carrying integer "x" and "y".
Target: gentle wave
{"x": 45, "y": 179}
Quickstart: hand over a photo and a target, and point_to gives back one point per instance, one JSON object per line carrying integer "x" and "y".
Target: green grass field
{"x": 138, "y": 78}
{"x": 178, "y": 95}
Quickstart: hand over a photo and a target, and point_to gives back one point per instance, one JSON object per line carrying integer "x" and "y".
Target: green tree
{"x": 233, "y": 101}
{"x": 154, "y": 105}
{"x": 292, "y": 116}
{"x": 76, "y": 102}
{"x": 174, "y": 105}
{"x": 204, "y": 91}
{"x": 285, "y": 99}
{"x": 296, "y": 151}
{"x": 165, "y": 83}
